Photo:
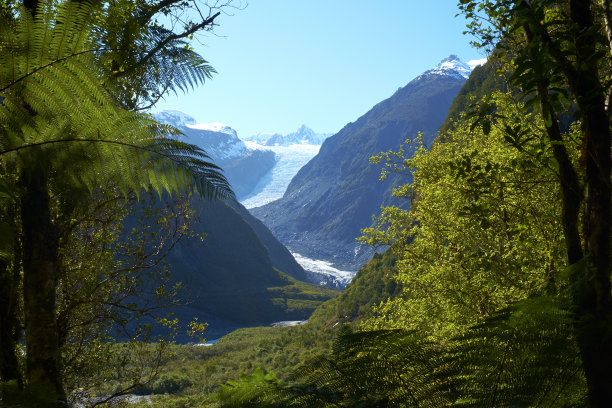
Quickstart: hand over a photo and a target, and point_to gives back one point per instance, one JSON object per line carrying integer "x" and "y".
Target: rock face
{"x": 243, "y": 167}
{"x": 335, "y": 195}
{"x": 246, "y": 172}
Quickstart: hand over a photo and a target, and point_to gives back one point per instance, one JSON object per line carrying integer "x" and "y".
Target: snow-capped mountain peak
{"x": 454, "y": 67}
{"x": 175, "y": 117}
{"x": 219, "y": 140}
{"x": 304, "y": 135}
{"x": 453, "y": 64}
{"x": 304, "y": 130}
{"x": 214, "y": 127}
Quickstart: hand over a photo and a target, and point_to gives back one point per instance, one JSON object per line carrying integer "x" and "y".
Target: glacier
{"x": 323, "y": 273}
{"x": 289, "y": 160}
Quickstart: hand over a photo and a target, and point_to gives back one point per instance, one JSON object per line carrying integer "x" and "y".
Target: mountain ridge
{"x": 240, "y": 275}
{"x": 243, "y": 167}
{"x": 334, "y": 195}
{"x": 303, "y": 135}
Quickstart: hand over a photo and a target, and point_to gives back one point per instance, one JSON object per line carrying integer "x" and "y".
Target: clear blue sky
{"x": 323, "y": 63}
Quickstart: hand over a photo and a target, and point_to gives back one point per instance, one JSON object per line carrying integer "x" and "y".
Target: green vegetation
{"x": 521, "y": 356}
{"x": 373, "y": 284}
{"x": 479, "y": 313}
{"x": 482, "y": 81}
{"x": 299, "y": 299}
{"x": 496, "y": 291}
{"x": 190, "y": 375}
{"x": 74, "y": 155}
{"x": 478, "y": 237}
{"x": 504, "y": 255}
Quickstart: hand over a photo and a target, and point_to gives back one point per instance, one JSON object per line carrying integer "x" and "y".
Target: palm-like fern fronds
{"x": 57, "y": 119}
{"x": 155, "y": 63}
{"x": 367, "y": 369}
{"x": 55, "y": 114}
{"x": 62, "y": 133}
{"x": 255, "y": 390}
{"x": 178, "y": 66}
{"x": 522, "y": 356}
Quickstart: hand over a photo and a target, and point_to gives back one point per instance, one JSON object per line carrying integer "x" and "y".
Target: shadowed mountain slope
{"x": 240, "y": 275}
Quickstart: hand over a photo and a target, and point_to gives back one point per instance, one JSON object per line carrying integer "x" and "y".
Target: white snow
{"x": 288, "y": 323}
{"x": 451, "y": 66}
{"x": 324, "y": 268}
{"x": 226, "y": 146}
{"x": 229, "y": 150}
{"x": 175, "y": 117}
{"x": 304, "y": 135}
{"x": 255, "y": 146}
{"x": 214, "y": 127}
{"x": 273, "y": 185}
{"x": 474, "y": 63}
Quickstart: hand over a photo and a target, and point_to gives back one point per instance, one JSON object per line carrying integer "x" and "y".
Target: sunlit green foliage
{"x": 189, "y": 375}
{"x": 483, "y": 228}
{"x": 523, "y": 355}
{"x": 373, "y": 283}
{"x": 557, "y": 55}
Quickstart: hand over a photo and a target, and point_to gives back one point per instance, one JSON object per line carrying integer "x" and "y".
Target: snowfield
{"x": 324, "y": 269}
{"x": 274, "y": 184}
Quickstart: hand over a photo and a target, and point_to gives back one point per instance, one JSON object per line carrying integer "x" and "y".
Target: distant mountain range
{"x": 243, "y": 167}
{"x": 335, "y": 195}
{"x": 304, "y": 135}
{"x": 259, "y": 170}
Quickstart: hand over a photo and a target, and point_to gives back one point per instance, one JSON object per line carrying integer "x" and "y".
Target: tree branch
{"x": 161, "y": 95}
{"x": 145, "y": 17}
{"x": 208, "y": 22}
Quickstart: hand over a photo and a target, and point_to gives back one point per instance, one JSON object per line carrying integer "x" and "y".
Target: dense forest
{"x": 494, "y": 290}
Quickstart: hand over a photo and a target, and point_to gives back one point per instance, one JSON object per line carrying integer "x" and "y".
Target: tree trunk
{"x": 591, "y": 288}
{"x": 9, "y": 326}
{"x": 40, "y": 245}
{"x": 593, "y": 303}
{"x": 605, "y": 5}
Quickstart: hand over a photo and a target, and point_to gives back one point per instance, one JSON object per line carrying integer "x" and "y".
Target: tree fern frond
{"x": 367, "y": 369}
{"x": 522, "y": 356}
{"x": 160, "y": 66}
{"x": 76, "y": 124}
